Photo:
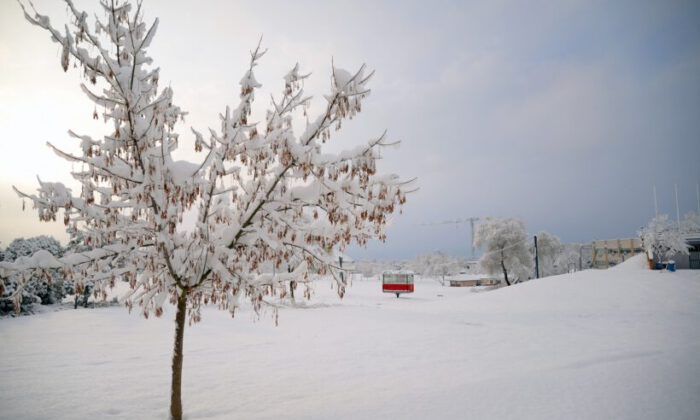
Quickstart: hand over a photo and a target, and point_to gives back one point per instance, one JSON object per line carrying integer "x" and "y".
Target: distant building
{"x": 345, "y": 261}
{"x": 471, "y": 280}
{"x": 610, "y": 252}
{"x": 471, "y": 266}
{"x": 691, "y": 261}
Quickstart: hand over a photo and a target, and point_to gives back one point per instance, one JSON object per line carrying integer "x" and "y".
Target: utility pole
{"x": 678, "y": 212}
{"x": 697, "y": 194}
{"x": 656, "y": 203}
{"x": 471, "y": 224}
{"x": 537, "y": 260}
{"x": 580, "y": 258}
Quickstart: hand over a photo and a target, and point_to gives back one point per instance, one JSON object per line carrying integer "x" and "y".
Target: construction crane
{"x": 457, "y": 222}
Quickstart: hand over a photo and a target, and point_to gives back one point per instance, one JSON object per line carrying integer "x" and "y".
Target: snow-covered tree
{"x": 21, "y": 247}
{"x": 47, "y": 288}
{"x": 505, "y": 245}
{"x": 568, "y": 259}
{"x": 549, "y": 248}
{"x": 435, "y": 264}
{"x": 663, "y": 239}
{"x": 691, "y": 223}
{"x": 262, "y": 193}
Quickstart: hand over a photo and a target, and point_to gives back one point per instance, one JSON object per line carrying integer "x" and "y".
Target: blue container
{"x": 658, "y": 266}
{"x": 671, "y": 266}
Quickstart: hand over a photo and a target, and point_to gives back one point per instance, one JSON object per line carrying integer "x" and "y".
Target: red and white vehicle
{"x": 397, "y": 282}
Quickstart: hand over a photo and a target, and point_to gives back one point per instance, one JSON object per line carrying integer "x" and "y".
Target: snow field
{"x": 620, "y": 343}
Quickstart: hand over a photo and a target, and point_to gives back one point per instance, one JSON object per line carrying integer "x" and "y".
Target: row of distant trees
{"x": 508, "y": 252}
{"x": 432, "y": 265}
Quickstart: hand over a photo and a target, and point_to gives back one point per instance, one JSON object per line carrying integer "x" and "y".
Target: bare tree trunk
{"x": 505, "y": 272}
{"x": 86, "y": 296}
{"x": 175, "y": 391}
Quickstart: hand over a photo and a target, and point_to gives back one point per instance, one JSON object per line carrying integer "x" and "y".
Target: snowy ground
{"x": 615, "y": 344}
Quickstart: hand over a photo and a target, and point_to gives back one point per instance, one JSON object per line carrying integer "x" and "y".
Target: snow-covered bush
{"x": 262, "y": 193}
{"x": 46, "y": 288}
{"x": 505, "y": 244}
{"x": 15, "y": 301}
{"x": 663, "y": 239}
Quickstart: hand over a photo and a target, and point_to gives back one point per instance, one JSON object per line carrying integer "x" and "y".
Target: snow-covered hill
{"x": 620, "y": 343}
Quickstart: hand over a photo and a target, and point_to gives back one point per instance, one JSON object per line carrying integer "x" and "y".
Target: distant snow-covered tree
{"x": 262, "y": 193}
{"x": 663, "y": 239}
{"x": 505, "y": 245}
{"x": 45, "y": 288}
{"x": 435, "y": 264}
{"x": 21, "y": 247}
{"x": 549, "y": 248}
{"x": 568, "y": 259}
{"x": 691, "y": 223}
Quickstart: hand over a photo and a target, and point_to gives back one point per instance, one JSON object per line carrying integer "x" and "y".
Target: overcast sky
{"x": 561, "y": 113}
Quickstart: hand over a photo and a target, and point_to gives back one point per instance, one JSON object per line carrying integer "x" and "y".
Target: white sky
{"x": 561, "y": 113}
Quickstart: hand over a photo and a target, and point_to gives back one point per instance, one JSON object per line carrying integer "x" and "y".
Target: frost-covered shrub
{"x": 9, "y": 300}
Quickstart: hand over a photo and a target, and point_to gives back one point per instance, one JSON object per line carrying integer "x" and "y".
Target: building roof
{"x": 468, "y": 276}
